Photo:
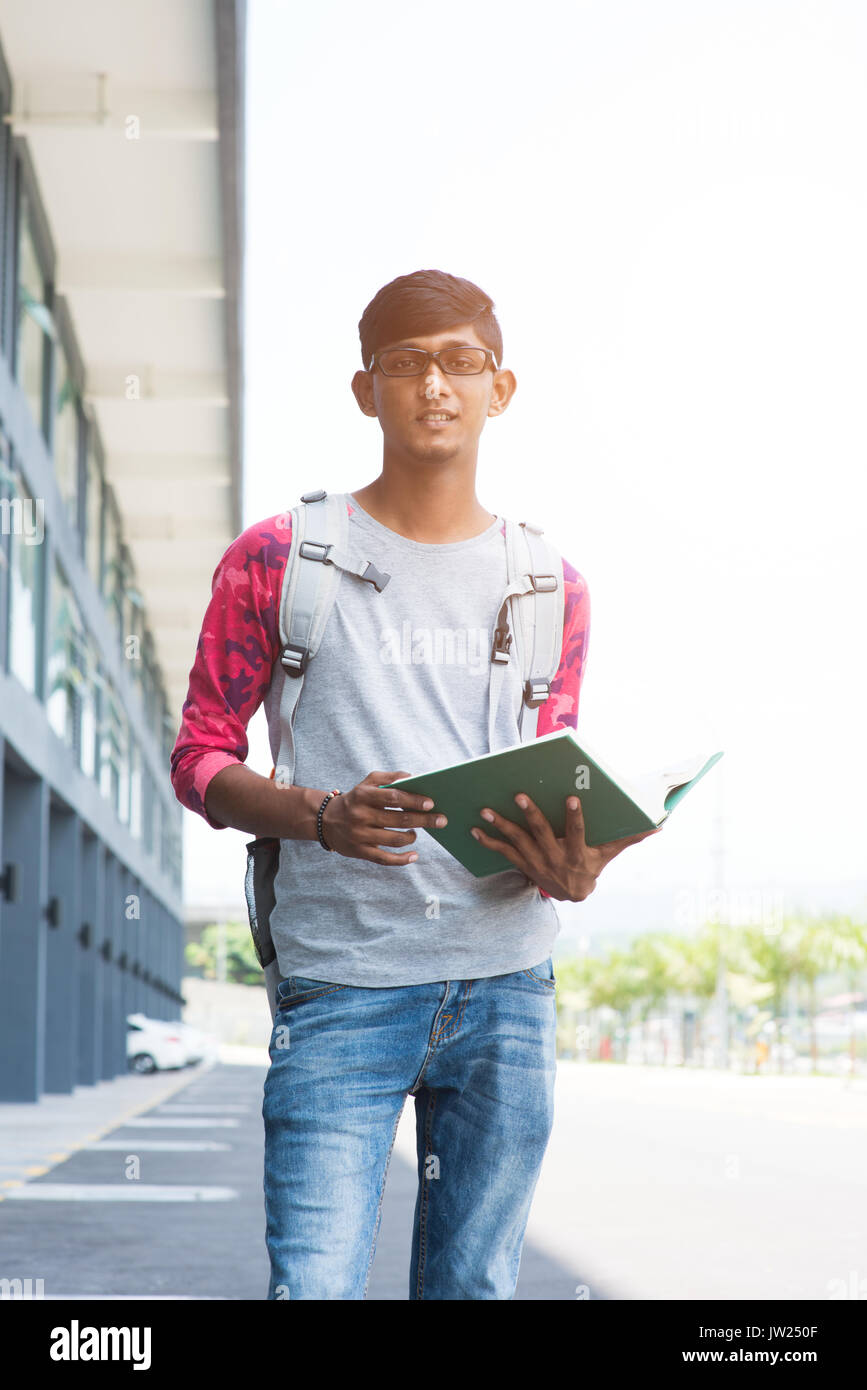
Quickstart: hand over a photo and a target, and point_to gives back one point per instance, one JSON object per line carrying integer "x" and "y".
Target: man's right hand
{"x": 356, "y": 823}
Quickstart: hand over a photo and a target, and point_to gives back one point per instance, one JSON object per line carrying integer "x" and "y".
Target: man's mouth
{"x": 436, "y": 417}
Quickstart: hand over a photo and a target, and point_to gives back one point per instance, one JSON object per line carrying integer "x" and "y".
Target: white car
{"x": 153, "y": 1044}
{"x": 199, "y": 1045}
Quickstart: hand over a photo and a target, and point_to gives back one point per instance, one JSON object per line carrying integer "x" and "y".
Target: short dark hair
{"x": 427, "y": 301}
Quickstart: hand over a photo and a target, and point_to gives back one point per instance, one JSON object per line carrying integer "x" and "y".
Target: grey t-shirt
{"x": 400, "y": 683}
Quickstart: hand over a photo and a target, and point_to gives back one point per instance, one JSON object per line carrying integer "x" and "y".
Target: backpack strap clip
{"x": 532, "y": 614}
{"x": 536, "y": 692}
{"x": 294, "y": 660}
{"x": 315, "y": 550}
{"x": 502, "y": 637}
{"x": 328, "y": 553}
{"x": 374, "y": 576}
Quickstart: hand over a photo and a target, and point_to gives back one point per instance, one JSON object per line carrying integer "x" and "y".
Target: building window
{"x": 147, "y": 811}
{"x": 132, "y": 611}
{"x": 124, "y": 782}
{"x": 25, "y": 517}
{"x": 156, "y": 703}
{"x": 135, "y": 779}
{"x": 7, "y": 165}
{"x": 7, "y": 492}
{"x": 66, "y": 430}
{"x": 88, "y": 747}
{"x": 114, "y": 575}
{"x": 166, "y": 855}
{"x": 169, "y": 732}
{"x": 93, "y": 512}
{"x": 170, "y": 845}
{"x": 112, "y": 746}
{"x": 157, "y": 824}
{"x": 67, "y": 661}
{"x": 35, "y": 323}
{"x": 148, "y": 685}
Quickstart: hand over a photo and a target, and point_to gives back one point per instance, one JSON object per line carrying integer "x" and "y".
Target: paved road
{"x": 658, "y": 1184}
{"x": 672, "y": 1184}
{"x": 191, "y": 1224}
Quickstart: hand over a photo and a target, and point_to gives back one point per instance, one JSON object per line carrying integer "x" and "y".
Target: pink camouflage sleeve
{"x": 561, "y": 708}
{"x": 237, "y": 647}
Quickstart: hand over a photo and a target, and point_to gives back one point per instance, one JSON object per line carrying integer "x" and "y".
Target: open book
{"x": 549, "y": 769}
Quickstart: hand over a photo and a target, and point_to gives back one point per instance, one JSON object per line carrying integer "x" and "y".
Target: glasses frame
{"x": 434, "y": 356}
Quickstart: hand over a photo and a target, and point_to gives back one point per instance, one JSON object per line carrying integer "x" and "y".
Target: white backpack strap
{"x": 542, "y": 615}
{"x": 320, "y": 533}
{"x": 534, "y": 600}
{"x": 319, "y": 554}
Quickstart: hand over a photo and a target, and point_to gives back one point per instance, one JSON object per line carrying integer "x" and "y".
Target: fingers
{"x": 537, "y": 822}
{"x": 387, "y": 835}
{"x": 513, "y": 833}
{"x": 382, "y": 856}
{"x": 575, "y": 842}
{"x": 412, "y": 806}
{"x": 371, "y": 816}
{"x": 501, "y": 846}
{"x": 379, "y": 795}
{"x": 431, "y": 819}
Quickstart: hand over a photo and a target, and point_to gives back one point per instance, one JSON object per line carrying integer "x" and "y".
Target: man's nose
{"x": 434, "y": 381}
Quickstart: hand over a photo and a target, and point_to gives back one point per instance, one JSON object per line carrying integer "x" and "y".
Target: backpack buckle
{"x": 536, "y": 692}
{"x": 294, "y": 660}
{"x": 501, "y": 644}
{"x": 307, "y": 547}
{"x": 375, "y": 576}
{"x": 544, "y": 583}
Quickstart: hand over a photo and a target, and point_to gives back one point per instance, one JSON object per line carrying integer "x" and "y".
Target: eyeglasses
{"x": 455, "y": 361}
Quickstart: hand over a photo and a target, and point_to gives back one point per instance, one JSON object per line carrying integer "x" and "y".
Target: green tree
{"x": 693, "y": 965}
{"x": 616, "y": 984}
{"x": 653, "y": 954}
{"x": 851, "y": 956}
{"x": 234, "y": 940}
{"x": 824, "y": 946}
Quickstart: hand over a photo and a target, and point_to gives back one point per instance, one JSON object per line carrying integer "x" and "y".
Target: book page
{"x": 653, "y": 787}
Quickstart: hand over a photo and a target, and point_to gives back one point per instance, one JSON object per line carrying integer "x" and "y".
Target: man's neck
{"x": 434, "y": 512}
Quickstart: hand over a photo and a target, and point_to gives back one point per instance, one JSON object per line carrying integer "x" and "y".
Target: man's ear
{"x": 502, "y": 392}
{"x": 362, "y": 389}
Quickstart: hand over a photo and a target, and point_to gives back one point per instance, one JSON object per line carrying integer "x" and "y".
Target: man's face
{"x": 405, "y": 406}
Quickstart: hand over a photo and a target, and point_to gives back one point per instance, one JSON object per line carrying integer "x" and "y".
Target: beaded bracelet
{"x": 325, "y": 802}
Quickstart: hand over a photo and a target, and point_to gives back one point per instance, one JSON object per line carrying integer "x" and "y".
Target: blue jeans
{"x": 478, "y": 1056}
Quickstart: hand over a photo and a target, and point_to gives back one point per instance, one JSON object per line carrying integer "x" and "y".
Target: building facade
{"x": 95, "y": 640}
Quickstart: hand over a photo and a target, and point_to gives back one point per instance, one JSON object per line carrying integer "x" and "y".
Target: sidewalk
{"x": 159, "y": 1194}
{"x": 36, "y": 1135}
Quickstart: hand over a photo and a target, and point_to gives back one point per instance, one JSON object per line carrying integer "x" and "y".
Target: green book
{"x": 549, "y": 769}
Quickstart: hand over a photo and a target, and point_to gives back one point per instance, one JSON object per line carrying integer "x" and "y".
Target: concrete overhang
{"x": 134, "y": 120}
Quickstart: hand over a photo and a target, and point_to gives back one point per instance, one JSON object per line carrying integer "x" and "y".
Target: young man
{"x": 402, "y": 974}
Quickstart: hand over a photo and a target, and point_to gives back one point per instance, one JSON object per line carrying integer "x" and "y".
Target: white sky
{"x": 668, "y": 205}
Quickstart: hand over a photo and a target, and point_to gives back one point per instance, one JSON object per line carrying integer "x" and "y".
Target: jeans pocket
{"x": 543, "y": 974}
{"x": 298, "y": 989}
